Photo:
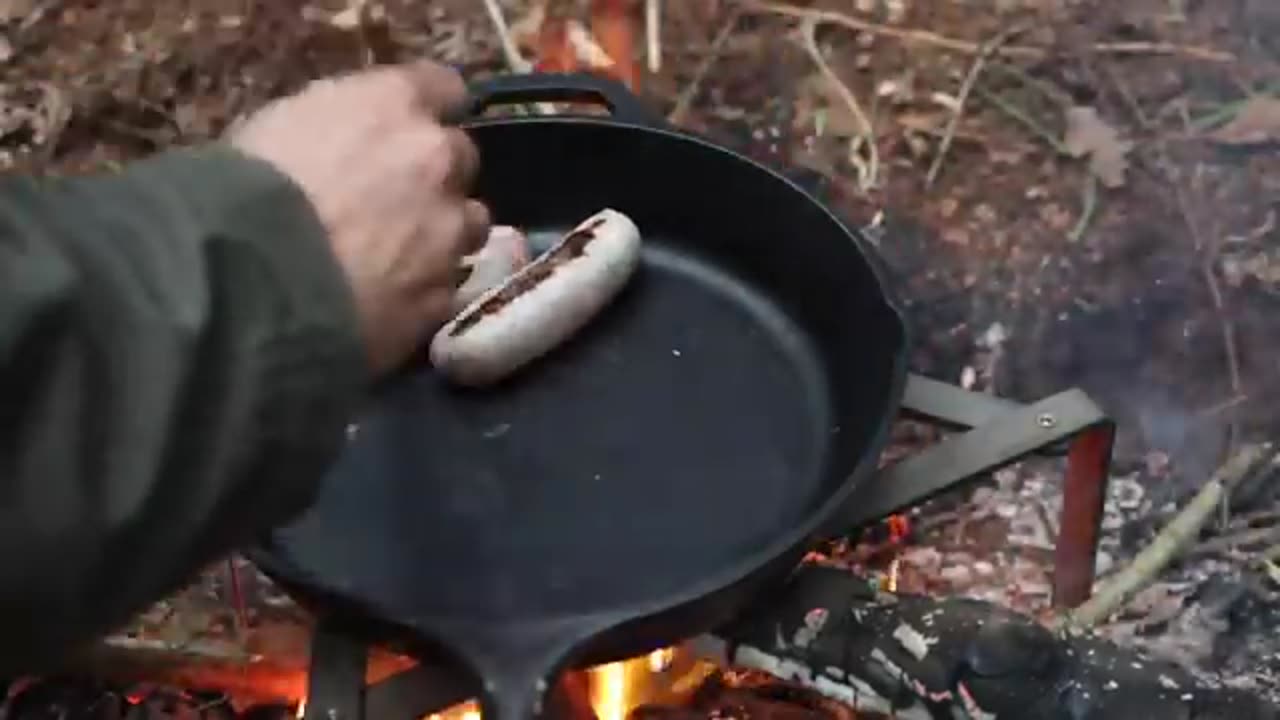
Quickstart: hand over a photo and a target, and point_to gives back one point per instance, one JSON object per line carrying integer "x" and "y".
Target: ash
{"x": 1214, "y": 612}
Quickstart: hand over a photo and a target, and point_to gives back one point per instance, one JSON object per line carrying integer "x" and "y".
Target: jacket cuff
{"x": 314, "y": 364}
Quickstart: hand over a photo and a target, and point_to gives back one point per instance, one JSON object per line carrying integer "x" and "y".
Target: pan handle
{"x": 512, "y": 89}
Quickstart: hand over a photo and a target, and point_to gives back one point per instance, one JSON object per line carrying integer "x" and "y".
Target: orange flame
{"x": 618, "y": 687}
{"x": 609, "y": 691}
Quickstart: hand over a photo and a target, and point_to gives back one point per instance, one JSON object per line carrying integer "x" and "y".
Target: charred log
{"x": 927, "y": 658}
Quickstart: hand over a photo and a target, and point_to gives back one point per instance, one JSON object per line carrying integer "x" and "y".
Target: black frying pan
{"x": 641, "y": 483}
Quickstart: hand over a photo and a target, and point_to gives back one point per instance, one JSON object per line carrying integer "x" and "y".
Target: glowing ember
{"x": 899, "y": 528}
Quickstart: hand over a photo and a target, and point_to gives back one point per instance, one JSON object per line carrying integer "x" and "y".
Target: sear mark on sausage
{"x": 574, "y": 246}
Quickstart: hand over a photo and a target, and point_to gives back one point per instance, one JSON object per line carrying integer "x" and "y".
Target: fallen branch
{"x": 926, "y": 37}
{"x": 1169, "y": 543}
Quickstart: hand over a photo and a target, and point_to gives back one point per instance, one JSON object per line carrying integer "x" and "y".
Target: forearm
{"x": 178, "y": 355}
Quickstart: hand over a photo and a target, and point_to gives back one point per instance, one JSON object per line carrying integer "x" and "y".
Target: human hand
{"x": 390, "y": 184}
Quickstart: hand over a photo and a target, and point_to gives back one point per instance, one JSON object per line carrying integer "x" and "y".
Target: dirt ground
{"x": 1072, "y": 192}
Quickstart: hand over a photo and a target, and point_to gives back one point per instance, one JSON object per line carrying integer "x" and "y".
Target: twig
{"x": 1168, "y": 544}
{"x": 653, "y": 34}
{"x": 868, "y": 170}
{"x": 1021, "y": 116}
{"x": 966, "y": 87}
{"x": 515, "y": 61}
{"x": 1086, "y": 212}
{"x": 1251, "y": 536}
{"x": 690, "y": 92}
{"x": 509, "y": 50}
{"x": 926, "y": 37}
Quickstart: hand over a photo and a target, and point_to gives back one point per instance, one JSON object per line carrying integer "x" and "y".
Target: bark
{"x": 922, "y": 657}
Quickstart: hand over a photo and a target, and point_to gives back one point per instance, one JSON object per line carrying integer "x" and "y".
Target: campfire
{"x": 864, "y": 628}
{"x": 614, "y": 690}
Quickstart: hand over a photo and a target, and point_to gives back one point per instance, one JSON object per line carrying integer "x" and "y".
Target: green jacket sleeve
{"x": 179, "y": 356}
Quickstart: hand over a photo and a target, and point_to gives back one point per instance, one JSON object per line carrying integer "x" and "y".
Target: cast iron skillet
{"x": 642, "y": 483}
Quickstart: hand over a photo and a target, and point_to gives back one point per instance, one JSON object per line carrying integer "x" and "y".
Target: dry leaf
{"x": 613, "y": 28}
{"x": 1257, "y": 122}
{"x": 1088, "y": 134}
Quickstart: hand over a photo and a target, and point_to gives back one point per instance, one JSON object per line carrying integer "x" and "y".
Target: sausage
{"x": 504, "y": 253}
{"x": 540, "y": 306}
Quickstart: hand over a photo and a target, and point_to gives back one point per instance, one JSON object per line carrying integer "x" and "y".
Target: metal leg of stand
{"x": 418, "y": 692}
{"x": 1084, "y": 495}
{"x": 336, "y": 688}
{"x": 1006, "y": 433}
{"x": 335, "y": 682}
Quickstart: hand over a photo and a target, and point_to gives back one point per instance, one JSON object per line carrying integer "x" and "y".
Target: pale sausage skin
{"x": 503, "y": 254}
{"x": 540, "y": 306}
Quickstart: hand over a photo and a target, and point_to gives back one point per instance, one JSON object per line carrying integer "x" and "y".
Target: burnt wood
{"x": 936, "y": 659}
